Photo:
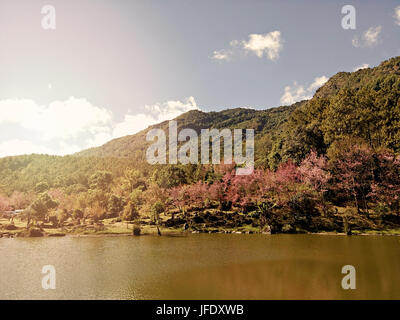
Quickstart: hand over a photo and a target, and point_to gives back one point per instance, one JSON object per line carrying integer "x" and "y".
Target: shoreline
{"x": 175, "y": 233}
{"x": 112, "y": 227}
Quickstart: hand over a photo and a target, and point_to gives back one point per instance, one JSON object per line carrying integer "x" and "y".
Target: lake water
{"x": 201, "y": 266}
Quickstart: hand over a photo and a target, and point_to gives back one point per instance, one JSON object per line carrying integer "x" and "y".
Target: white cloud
{"x": 369, "y": 39}
{"x": 294, "y": 93}
{"x": 360, "y": 67}
{"x": 65, "y": 127}
{"x": 70, "y": 148}
{"x": 371, "y": 35}
{"x": 153, "y": 114}
{"x": 269, "y": 45}
{"x": 318, "y": 82}
{"x": 132, "y": 124}
{"x": 222, "y": 55}
{"x": 397, "y": 15}
{"x": 61, "y": 127}
{"x": 17, "y": 147}
{"x": 60, "y": 119}
{"x": 355, "y": 42}
{"x": 298, "y": 92}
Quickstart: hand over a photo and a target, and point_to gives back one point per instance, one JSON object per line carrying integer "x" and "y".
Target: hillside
{"x": 363, "y": 104}
{"x": 362, "y": 78}
{"x": 327, "y": 164}
{"x": 72, "y": 172}
{"x": 264, "y": 122}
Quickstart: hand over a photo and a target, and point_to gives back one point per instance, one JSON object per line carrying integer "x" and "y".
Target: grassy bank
{"x": 204, "y": 222}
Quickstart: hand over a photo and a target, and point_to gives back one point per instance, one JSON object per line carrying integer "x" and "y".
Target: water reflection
{"x": 201, "y": 267}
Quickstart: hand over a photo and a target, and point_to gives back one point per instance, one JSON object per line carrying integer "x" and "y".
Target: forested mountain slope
{"x": 364, "y": 105}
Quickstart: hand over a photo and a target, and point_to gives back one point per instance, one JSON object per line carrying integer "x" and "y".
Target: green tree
{"x": 77, "y": 214}
{"x": 130, "y": 212}
{"x": 169, "y": 176}
{"x": 115, "y": 205}
{"x": 101, "y": 180}
{"x": 42, "y": 187}
{"x": 156, "y": 209}
{"x": 41, "y": 206}
{"x": 131, "y": 180}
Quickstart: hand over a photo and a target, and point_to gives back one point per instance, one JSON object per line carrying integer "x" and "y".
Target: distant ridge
{"x": 363, "y": 105}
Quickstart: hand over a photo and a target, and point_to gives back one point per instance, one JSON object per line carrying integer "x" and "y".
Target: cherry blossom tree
{"x": 386, "y": 186}
{"x": 4, "y": 204}
{"x": 353, "y": 171}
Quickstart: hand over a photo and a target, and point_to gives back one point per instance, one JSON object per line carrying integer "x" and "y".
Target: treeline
{"x": 340, "y": 149}
{"x": 364, "y": 104}
{"x": 351, "y": 175}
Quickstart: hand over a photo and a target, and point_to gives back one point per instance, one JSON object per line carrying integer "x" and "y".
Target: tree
{"x": 198, "y": 194}
{"x": 180, "y": 198}
{"x": 313, "y": 171}
{"x": 302, "y": 133}
{"x": 21, "y": 200}
{"x": 96, "y": 211}
{"x": 77, "y": 214}
{"x": 101, "y": 180}
{"x": 385, "y": 189}
{"x": 41, "y": 187}
{"x": 153, "y": 194}
{"x": 98, "y": 197}
{"x": 4, "y": 204}
{"x": 132, "y": 179}
{"x": 62, "y": 215}
{"x": 41, "y": 206}
{"x": 130, "y": 212}
{"x": 353, "y": 170}
{"x": 115, "y": 205}
{"x": 169, "y": 176}
{"x": 156, "y": 209}
{"x": 219, "y": 189}
{"x": 245, "y": 191}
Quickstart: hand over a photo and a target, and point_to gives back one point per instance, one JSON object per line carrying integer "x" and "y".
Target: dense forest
{"x": 327, "y": 164}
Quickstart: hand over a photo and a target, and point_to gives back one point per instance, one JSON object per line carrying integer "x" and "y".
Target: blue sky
{"x": 111, "y": 68}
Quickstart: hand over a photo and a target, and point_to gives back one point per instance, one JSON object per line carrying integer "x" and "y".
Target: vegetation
{"x": 328, "y": 164}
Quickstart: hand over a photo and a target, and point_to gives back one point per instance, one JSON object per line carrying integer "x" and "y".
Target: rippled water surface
{"x": 202, "y": 266}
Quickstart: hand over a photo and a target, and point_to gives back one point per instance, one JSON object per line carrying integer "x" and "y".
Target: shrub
{"x": 136, "y": 230}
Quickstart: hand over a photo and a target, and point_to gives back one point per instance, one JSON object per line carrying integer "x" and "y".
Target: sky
{"x": 88, "y": 71}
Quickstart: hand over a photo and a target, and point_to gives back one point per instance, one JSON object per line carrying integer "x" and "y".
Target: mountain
{"x": 363, "y": 104}
{"x": 361, "y": 78}
{"x": 346, "y": 104}
{"x": 264, "y": 122}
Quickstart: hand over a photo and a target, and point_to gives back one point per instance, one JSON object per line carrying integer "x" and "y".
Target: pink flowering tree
{"x": 386, "y": 186}
{"x": 313, "y": 172}
{"x": 4, "y": 204}
{"x": 353, "y": 172}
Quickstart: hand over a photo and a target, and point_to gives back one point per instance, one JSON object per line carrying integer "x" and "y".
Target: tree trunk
{"x": 355, "y": 196}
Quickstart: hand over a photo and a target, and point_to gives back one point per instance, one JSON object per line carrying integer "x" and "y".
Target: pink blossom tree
{"x": 386, "y": 186}
{"x": 4, "y": 204}
{"x": 313, "y": 171}
{"x": 353, "y": 172}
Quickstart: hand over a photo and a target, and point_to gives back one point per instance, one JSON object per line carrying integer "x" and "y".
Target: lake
{"x": 201, "y": 266}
